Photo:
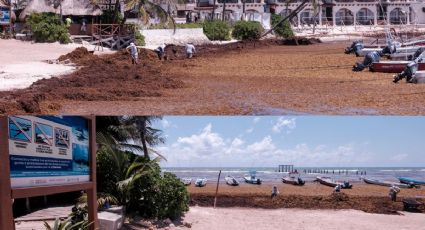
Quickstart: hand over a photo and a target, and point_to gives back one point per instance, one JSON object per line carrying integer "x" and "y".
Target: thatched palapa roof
{"x": 69, "y": 7}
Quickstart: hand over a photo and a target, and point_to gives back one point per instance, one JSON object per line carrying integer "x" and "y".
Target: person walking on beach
{"x": 190, "y": 50}
{"x": 275, "y": 191}
{"x": 394, "y": 190}
{"x": 134, "y": 53}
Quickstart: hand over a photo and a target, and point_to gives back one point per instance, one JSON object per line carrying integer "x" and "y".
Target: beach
{"x": 248, "y": 218}
{"x": 368, "y": 198}
{"x": 270, "y": 79}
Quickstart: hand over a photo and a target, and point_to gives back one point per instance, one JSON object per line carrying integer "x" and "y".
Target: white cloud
{"x": 165, "y": 123}
{"x": 250, "y": 130}
{"x": 399, "y": 157}
{"x": 208, "y": 149}
{"x": 282, "y": 124}
{"x": 256, "y": 120}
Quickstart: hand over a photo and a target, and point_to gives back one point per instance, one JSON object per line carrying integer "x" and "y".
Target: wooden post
{"x": 216, "y": 189}
{"x": 6, "y": 212}
{"x": 91, "y": 193}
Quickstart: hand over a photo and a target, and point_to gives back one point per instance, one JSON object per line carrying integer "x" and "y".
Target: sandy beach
{"x": 271, "y": 79}
{"x": 368, "y": 198}
{"x": 26, "y": 62}
{"x": 248, "y": 218}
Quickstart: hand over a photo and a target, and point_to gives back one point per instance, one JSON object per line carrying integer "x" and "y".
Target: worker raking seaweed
{"x": 134, "y": 53}
{"x": 190, "y": 50}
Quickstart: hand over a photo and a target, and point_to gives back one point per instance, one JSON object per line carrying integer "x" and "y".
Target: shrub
{"x": 284, "y": 29}
{"x": 216, "y": 30}
{"x": 158, "y": 196}
{"x": 139, "y": 39}
{"x": 47, "y": 27}
{"x": 247, "y": 30}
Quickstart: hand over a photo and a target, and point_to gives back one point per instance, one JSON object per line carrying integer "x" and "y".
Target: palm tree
{"x": 303, "y": 4}
{"x": 148, "y": 8}
{"x": 145, "y": 133}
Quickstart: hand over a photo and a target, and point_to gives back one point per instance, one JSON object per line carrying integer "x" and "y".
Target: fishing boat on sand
{"x": 410, "y": 181}
{"x": 231, "y": 181}
{"x": 329, "y": 182}
{"x": 392, "y": 66}
{"x": 201, "y": 182}
{"x": 252, "y": 178}
{"x": 186, "y": 181}
{"x": 386, "y": 183}
{"x": 293, "y": 179}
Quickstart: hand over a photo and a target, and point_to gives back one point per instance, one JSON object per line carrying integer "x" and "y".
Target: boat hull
{"x": 249, "y": 181}
{"x": 231, "y": 181}
{"x": 292, "y": 181}
{"x": 405, "y": 180}
{"x": 385, "y": 183}
{"x": 392, "y": 66}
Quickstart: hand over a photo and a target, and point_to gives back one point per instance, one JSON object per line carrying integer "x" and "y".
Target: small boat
{"x": 186, "y": 181}
{"x": 392, "y": 66}
{"x": 329, "y": 182}
{"x": 385, "y": 183}
{"x": 410, "y": 181}
{"x": 252, "y": 178}
{"x": 231, "y": 181}
{"x": 201, "y": 182}
{"x": 293, "y": 179}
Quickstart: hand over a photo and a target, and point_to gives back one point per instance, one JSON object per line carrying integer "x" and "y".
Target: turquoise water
{"x": 270, "y": 174}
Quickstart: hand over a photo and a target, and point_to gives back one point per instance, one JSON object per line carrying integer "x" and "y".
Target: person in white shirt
{"x": 190, "y": 50}
{"x": 134, "y": 53}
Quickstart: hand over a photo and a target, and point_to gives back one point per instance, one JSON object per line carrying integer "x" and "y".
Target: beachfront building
{"x": 328, "y": 12}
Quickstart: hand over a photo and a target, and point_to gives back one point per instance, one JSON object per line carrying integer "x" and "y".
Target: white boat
{"x": 252, "y": 178}
{"x": 331, "y": 183}
{"x": 201, "y": 182}
{"x": 385, "y": 183}
{"x": 231, "y": 181}
{"x": 186, "y": 181}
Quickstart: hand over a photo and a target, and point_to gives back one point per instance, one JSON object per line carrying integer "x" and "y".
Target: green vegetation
{"x": 130, "y": 179}
{"x": 284, "y": 29}
{"x": 139, "y": 39}
{"x": 47, "y": 27}
{"x": 247, "y": 30}
{"x": 217, "y": 30}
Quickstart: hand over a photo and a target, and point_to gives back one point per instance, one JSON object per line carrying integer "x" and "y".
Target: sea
{"x": 271, "y": 174}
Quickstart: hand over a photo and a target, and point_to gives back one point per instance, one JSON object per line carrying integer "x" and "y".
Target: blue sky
{"x": 305, "y": 141}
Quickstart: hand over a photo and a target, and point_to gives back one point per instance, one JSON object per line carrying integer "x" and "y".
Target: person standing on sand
{"x": 337, "y": 188}
{"x": 275, "y": 191}
{"x": 134, "y": 53}
{"x": 394, "y": 190}
{"x": 190, "y": 50}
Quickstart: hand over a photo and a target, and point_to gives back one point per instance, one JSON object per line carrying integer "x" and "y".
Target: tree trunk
{"x": 291, "y": 15}
{"x": 143, "y": 137}
{"x": 224, "y": 10}
{"x": 213, "y": 11}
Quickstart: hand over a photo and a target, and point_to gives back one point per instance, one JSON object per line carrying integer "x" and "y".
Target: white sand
{"x": 256, "y": 219}
{"x": 22, "y": 63}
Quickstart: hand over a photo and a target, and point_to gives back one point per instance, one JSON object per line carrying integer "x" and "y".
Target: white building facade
{"x": 328, "y": 12}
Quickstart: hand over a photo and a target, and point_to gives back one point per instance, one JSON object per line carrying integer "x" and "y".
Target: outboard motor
{"x": 416, "y": 54}
{"x": 389, "y": 49}
{"x": 370, "y": 58}
{"x": 355, "y": 47}
{"x": 408, "y": 73}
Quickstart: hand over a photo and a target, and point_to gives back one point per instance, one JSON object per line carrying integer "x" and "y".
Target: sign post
{"x": 47, "y": 155}
{"x": 6, "y": 212}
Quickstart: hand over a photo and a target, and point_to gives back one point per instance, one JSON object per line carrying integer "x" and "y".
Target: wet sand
{"x": 241, "y": 79}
